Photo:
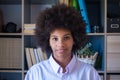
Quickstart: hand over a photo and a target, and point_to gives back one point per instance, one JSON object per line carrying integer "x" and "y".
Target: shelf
{"x": 25, "y": 71}
{"x": 96, "y": 34}
{"x": 4, "y": 34}
{"x": 89, "y": 34}
{"x": 26, "y": 11}
{"x": 29, "y": 34}
{"x": 113, "y": 34}
{"x": 14, "y": 71}
{"x": 101, "y": 72}
{"x": 12, "y": 13}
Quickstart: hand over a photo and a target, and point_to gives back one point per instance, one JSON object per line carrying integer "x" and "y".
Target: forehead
{"x": 60, "y": 31}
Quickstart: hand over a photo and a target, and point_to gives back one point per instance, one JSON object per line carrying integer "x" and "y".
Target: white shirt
{"x": 51, "y": 70}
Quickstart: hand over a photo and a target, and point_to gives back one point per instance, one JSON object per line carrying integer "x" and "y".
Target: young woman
{"x": 61, "y": 32}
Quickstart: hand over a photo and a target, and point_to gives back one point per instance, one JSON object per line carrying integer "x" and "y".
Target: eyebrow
{"x": 64, "y": 35}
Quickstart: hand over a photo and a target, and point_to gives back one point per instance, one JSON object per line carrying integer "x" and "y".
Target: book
{"x": 28, "y": 57}
{"x": 29, "y": 26}
{"x": 45, "y": 56}
{"x": 64, "y": 2}
{"x": 36, "y": 55}
{"x": 40, "y": 54}
{"x": 83, "y": 12}
{"x": 74, "y": 3}
{"x": 29, "y": 31}
{"x": 61, "y": 1}
{"x": 32, "y": 56}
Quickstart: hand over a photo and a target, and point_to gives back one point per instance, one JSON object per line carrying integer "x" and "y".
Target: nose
{"x": 61, "y": 43}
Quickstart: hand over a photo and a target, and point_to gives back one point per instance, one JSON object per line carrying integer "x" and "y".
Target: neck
{"x": 63, "y": 62}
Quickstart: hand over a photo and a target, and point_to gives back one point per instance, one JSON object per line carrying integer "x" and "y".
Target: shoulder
{"x": 40, "y": 65}
{"x": 36, "y": 71}
{"x": 85, "y": 66}
{"x": 88, "y": 70}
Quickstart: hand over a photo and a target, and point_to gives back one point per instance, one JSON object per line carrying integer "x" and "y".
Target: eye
{"x": 54, "y": 39}
{"x": 66, "y": 37}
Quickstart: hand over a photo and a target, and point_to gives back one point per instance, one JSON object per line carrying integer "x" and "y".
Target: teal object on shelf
{"x": 83, "y": 12}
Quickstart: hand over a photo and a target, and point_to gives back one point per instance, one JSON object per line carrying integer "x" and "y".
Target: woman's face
{"x": 61, "y": 43}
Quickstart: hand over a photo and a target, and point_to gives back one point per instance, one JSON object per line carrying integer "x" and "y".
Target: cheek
{"x": 53, "y": 47}
{"x": 52, "y": 44}
{"x": 70, "y": 44}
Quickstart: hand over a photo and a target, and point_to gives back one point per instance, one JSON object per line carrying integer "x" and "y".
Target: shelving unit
{"x": 26, "y": 11}
{"x": 11, "y": 50}
{"x": 113, "y": 41}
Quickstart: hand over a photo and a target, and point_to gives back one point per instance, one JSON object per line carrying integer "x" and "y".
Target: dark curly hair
{"x": 60, "y": 16}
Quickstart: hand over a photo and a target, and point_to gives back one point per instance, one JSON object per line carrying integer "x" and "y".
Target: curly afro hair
{"x": 60, "y": 16}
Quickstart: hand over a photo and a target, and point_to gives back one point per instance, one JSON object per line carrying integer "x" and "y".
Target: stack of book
{"x": 34, "y": 56}
{"x": 29, "y": 28}
{"x": 64, "y": 2}
{"x": 80, "y": 6}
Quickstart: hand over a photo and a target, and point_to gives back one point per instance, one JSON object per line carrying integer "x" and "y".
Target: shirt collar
{"x": 71, "y": 64}
{"x": 56, "y": 66}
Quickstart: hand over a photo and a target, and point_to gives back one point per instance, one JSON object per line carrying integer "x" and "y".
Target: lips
{"x": 61, "y": 50}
